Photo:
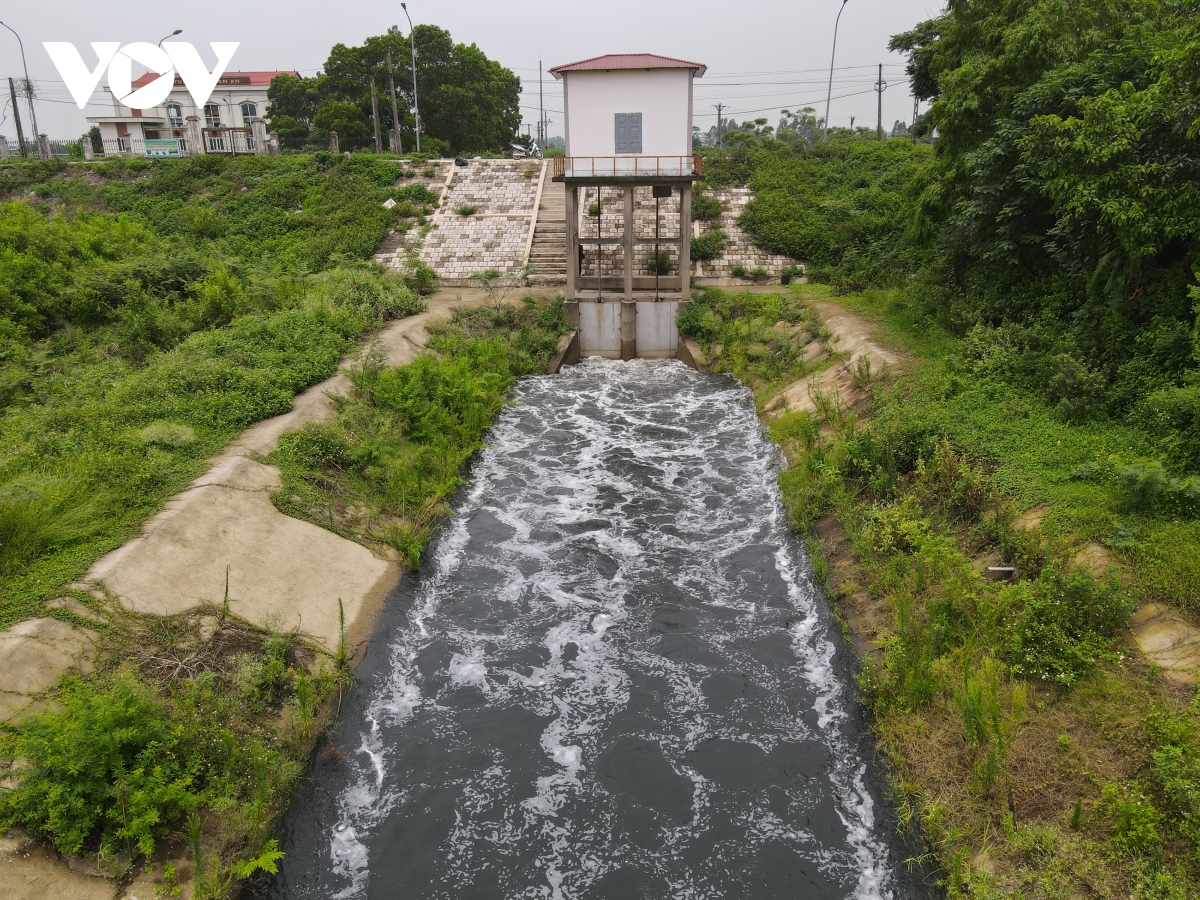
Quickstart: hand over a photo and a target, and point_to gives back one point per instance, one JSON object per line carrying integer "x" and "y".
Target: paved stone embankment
{"x": 503, "y": 195}
{"x": 739, "y": 250}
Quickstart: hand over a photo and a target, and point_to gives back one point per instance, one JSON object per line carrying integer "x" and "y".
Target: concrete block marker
{"x": 33, "y": 654}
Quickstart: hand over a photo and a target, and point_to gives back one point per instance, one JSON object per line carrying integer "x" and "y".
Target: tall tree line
{"x": 467, "y": 101}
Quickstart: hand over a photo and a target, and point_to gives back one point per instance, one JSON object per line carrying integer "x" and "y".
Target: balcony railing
{"x": 626, "y": 166}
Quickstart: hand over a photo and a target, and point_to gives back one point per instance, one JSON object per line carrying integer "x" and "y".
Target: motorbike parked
{"x": 527, "y": 150}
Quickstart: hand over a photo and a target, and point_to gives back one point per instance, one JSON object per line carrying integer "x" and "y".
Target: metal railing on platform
{"x": 626, "y": 166}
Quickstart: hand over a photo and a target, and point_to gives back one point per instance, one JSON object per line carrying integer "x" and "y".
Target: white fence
{"x": 228, "y": 141}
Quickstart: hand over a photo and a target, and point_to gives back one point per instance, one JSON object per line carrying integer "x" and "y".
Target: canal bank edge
{"x": 1075, "y": 746}
{"x": 178, "y": 564}
{"x": 1167, "y": 639}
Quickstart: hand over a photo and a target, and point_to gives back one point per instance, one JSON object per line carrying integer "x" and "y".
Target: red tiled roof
{"x": 251, "y": 78}
{"x": 628, "y": 61}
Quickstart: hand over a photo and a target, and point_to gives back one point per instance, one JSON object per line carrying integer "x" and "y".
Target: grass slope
{"x": 1037, "y": 751}
{"x": 151, "y": 310}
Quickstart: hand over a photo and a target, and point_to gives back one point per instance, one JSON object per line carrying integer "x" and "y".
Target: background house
{"x": 223, "y": 125}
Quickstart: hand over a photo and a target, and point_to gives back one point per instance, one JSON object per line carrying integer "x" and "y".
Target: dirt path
{"x": 858, "y": 359}
{"x": 1165, "y": 637}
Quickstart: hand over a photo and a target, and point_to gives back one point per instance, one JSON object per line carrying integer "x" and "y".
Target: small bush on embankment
{"x": 1030, "y": 741}
{"x": 185, "y": 743}
{"x": 383, "y": 472}
{"x": 150, "y": 310}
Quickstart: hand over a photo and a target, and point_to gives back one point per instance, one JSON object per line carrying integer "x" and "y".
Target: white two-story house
{"x": 223, "y": 125}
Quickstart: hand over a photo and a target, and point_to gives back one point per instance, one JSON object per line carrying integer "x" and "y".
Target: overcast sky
{"x": 762, "y": 55}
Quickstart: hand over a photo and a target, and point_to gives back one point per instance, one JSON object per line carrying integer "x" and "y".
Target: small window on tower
{"x": 629, "y": 132}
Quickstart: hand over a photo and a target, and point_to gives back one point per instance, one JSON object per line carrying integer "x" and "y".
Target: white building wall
{"x": 228, "y": 99}
{"x": 662, "y": 96}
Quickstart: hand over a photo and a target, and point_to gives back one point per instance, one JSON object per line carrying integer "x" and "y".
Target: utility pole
{"x": 913, "y": 131}
{"x": 12, "y": 90}
{"x": 541, "y": 110}
{"x": 880, "y": 87}
{"x": 412, "y": 43}
{"x": 832, "y": 57}
{"x": 375, "y": 117}
{"x": 720, "y": 106}
{"x": 28, "y": 87}
{"x": 399, "y": 148}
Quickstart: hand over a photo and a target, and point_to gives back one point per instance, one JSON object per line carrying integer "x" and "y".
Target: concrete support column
{"x": 333, "y": 142}
{"x": 43, "y": 146}
{"x": 685, "y": 241}
{"x": 258, "y": 128}
{"x": 195, "y": 137}
{"x": 628, "y": 330}
{"x": 572, "y": 213}
{"x": 273, "y": 142}
{"x": 628, "y": 253}
{"x": 85, "y": 144}
{"x": 3, "y": 147}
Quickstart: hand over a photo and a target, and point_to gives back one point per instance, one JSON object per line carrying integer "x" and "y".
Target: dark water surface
{"x": 614, "y": 677}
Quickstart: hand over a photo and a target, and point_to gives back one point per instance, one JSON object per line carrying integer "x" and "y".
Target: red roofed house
{"x": 226, "y": 124}
{"x": 629, "y": 166}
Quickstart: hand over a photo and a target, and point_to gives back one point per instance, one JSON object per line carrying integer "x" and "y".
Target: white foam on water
{"x": 595, "y": 456}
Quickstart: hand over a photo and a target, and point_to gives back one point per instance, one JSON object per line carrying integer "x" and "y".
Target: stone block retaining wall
{"x": 739, "y": 251}
{"x": 493, "y": 237}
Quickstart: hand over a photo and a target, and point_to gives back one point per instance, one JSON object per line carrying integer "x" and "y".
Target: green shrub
{"x": 709, "y": 245}
{"x": 1066, "y": 622}
{"x": 1174, "y": 413}
{"x": 415, "y": 193}
{"x": 466, "y": 210}
{"x": 738, "y": 271}
{"x": 693, "y": 321}
{"x": 108, "y": 767}
{"x": 660, "y": 263}
{"x": 706, "y": 208}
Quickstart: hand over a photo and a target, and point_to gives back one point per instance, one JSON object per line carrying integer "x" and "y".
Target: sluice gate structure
{"x": 627, "y": 175}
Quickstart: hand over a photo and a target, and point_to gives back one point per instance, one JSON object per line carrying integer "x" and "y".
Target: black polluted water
{"x": 614, "y": 677}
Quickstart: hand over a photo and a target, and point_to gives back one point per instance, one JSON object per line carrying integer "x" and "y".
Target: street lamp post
{"x": 412, "y": 43}
{"x": 833, "y": 56}
{"x": 28, "y": 84}
{"x": 172, "y": 34}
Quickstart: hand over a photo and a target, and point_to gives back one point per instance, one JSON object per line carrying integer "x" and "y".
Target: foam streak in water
{"x": 613, "y": 678}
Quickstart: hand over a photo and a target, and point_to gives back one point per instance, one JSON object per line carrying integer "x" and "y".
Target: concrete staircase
{"x": 548, "y": 255}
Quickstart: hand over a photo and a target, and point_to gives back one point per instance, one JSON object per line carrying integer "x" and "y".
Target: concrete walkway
{"x": 279, "y": 567}
{"x": 851, "y": 338}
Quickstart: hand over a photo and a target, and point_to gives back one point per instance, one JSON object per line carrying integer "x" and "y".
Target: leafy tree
{"x": 467, "y": 101}
{"x": 801, "y": 126}
{"x": 1066, "y": 190}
